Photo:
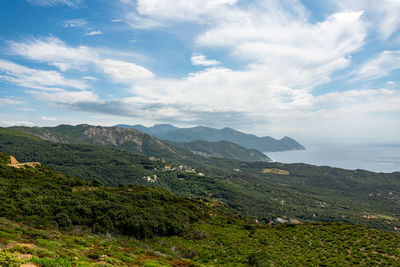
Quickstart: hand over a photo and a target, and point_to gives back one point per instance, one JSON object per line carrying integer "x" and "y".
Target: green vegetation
{"x": 111, "y": 166}
{"x": 205, "y": 245}
{"x": 44, "y": 198}
{"x": 7, "y": 259}
{"x": 77, "y": 223}
{"x": 112, "y": 137}
{"x": 223, "y": 149}
{"x": 308, "y": 194}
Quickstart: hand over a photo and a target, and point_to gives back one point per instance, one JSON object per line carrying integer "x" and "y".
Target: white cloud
{"x": 91, "y": 33}
{"x": 156, "y": 13}
{"x": 9, "y": 101}
{"x": 379, "y": 67}
{"x": 274, "y": 36}
{"x": 280, "y": 56}
{"x": 180, "y": 10}
{"x": 38, "y": 79}
{"x": 67, "y": 97}
{"x": 223, "y": 90}
{"x": 350, "y": 116}
{"x": 26, "y": 109}
{"x": 201, "y": 60}
{"x": 70, "y": 3}
{"x": 125, "y": 72}
{"x": 55, "y": 52}
{"x": 284, "y": 56}
{"x": 16, "y": 123}
{"x": 383, "y": 16}
{"x": 73, "y": 23}
{"x": 48, "y": 118}
{"x": 292, "y": 51}
{"x": 90, "y": 78}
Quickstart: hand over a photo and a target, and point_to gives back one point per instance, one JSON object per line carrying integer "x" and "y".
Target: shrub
{"x": 258, "y": 259}
{"x": 9, "y": 260}
{"x": 63, "y": 220}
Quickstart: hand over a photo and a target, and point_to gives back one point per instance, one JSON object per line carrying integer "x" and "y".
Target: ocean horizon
{"x": 371, "y": 157}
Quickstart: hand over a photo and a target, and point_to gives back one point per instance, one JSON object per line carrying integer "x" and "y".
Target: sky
{"x": 315, "y": 70}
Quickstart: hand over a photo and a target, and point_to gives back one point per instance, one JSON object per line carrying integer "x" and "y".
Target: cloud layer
{"x": 70, "y": 3}
{"x": 280, "y": 69}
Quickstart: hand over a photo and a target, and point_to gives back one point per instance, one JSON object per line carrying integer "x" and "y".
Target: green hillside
{"x": 51, "y": 219}
{"x": 134, "y": 141}
{"x": 42, "y": 197}
{"x": 223, "y": 149}
{"x": 302, "y": 192}
{"x": 114, "y": 137}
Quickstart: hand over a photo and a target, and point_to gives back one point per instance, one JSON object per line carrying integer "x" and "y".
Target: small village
{"x": 169, "y": 168}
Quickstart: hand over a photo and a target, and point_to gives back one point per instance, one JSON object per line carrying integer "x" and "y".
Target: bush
{"x": 258, "y": 259}
{"x": 63, "y": 220}
{"x": 9, "y": 260}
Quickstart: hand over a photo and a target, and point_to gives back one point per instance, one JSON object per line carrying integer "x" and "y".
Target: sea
{"x": 377, "y": 158}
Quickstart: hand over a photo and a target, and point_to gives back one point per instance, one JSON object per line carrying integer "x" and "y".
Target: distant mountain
{"x": 133, "y": 140}
{"x": 116, "y": 137}
{"x": 263, "y": 144}
{"x": 223, "y": 149}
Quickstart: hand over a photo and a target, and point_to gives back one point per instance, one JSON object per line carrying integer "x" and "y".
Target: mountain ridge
{"x": 222, "y": 149}
{"x": 134, "y": 140}
{"x": 203, "y": 133}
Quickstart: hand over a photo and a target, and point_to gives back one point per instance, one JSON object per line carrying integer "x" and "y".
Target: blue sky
{"x": 314, "y": 70}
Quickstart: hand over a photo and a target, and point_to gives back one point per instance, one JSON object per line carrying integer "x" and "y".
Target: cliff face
{"x": 112, "y": 136}
{"x": 127, "y": 139}
{"x": 117, "y": 137}
{"x": 133, "y": 140}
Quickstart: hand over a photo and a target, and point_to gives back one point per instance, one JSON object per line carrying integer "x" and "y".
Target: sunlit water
{"x": 378, "y": 158}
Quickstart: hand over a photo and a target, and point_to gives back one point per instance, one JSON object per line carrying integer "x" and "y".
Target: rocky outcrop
{"x": 14, "y": 163}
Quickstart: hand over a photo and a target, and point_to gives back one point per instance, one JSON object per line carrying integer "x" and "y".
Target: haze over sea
{"x": 372, "y": 157}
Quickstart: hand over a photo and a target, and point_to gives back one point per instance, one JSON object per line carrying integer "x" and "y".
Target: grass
{"x": 275, "y": 171}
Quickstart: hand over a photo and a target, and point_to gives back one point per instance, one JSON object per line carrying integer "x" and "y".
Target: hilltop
{"x": 250, "y": 141}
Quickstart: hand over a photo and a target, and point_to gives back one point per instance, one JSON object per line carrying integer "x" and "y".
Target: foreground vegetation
{"x": 206, "y": 245}
{"x": 51, "y": 219}
{"x": 289, "y": 191}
